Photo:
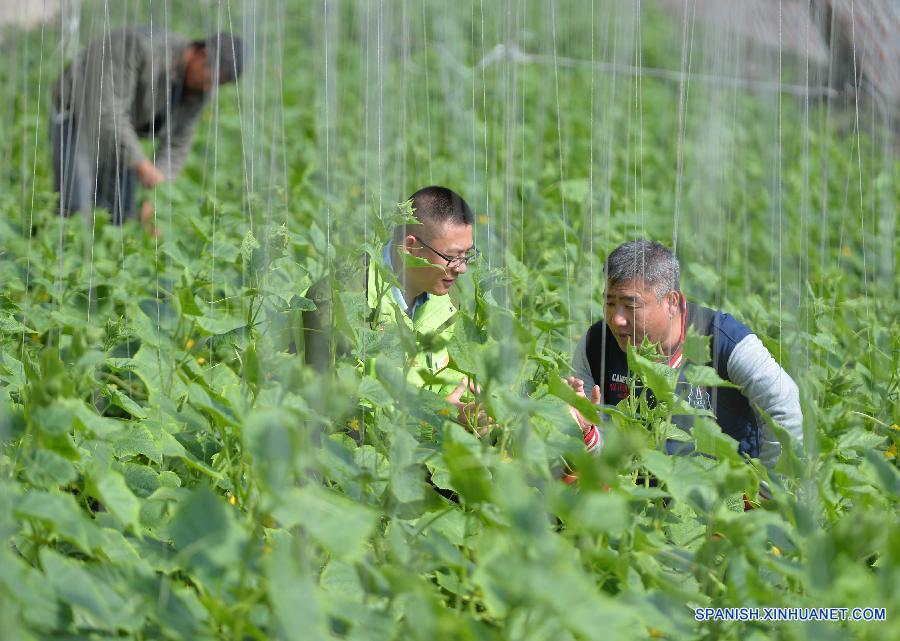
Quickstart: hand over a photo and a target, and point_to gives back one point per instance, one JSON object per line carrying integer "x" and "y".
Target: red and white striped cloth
{"x": 593, "y": 439}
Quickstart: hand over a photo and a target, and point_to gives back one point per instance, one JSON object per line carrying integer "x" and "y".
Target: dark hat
{"x": 225, "y": 52}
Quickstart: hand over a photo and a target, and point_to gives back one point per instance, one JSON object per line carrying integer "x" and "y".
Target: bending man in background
{"x": 128, "y": 85}
{"x": 644, "y": 300}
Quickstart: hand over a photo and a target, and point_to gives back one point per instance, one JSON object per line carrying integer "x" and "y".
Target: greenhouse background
{"x": 172, "y": 468}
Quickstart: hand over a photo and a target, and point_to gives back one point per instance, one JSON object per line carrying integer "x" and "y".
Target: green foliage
{"x": 170, "y": 469}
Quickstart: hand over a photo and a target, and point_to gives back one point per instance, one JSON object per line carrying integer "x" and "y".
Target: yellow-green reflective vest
{"x": 436, "y": 315}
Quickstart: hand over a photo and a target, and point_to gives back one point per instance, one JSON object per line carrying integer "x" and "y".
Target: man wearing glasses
{"x": 420, "y": 266}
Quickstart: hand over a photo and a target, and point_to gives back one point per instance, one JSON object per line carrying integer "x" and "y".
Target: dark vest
{"x": 609, "y": 368}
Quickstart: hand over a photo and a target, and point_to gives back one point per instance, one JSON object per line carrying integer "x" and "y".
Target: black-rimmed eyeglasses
{"x": 453, "y": 261}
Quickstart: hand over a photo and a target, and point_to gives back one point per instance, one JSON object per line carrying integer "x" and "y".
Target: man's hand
{"x": 148, "y": 174}
{"x": 470, "y": 414}
{"x": 578, "y": 385}
{"x": 147, "y": 219}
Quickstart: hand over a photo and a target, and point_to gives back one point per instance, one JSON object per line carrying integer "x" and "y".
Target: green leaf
{"x": 704, "y": 376}
{"x": 657, "y": 376}
{"x": 219, "y": 325}
{"x": 95, "y": 602}
{"x": 601, "y": 512}
{"x": 10, "y": 325}
{"x": 187, "y": 302}
{"x": 138, "y": 440}
{"x": 60, "y": 514}
{"x": 125, "y": 402}
{"x": 560, "y": 389}
{"x": 407, "y": 477}
{"x": 49, "y": 469}
{"x": 294, "y": 598}
{"x": 695, "y": 348}
{"x": 710, "y": 439}
{"x": 66, "y": 414}
{"x": 414, "y": 261}
{"x": 208, "y": 538}
{"x": 248, "y": 244}
{"x": 301, "y": 304}
{"x": 115, "y": 495}
{"x": 335, "y": 522}
{"x": 468, "y": 474}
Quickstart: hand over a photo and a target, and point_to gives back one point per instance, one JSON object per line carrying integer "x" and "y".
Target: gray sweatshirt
{"x": 130, "y": 85}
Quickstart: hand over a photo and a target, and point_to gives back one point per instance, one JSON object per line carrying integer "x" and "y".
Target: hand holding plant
{"x": 578, "y": 386}
{"x": 470, "y": 414}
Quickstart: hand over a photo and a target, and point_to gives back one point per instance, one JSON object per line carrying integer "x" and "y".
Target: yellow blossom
{"x": 776, "y": 551}
{"x": 189, "y": 343}
{"x": 891, "y": 451}
{"x": 200, "y": 360}
{"x": 232, "y": 499}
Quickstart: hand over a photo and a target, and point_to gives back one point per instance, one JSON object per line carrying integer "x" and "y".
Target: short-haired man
{"x": 644, "y": 300}
{"x": 131, "y": 84}
{"x": 442, "y": 238}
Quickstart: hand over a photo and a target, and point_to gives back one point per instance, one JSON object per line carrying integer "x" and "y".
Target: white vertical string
{"x": 862, "y": 210}
{"x": 779, "y": 192}
{"x": 37, "y": 128}
{"x": 565, "y": 217}
{"x": 687, "y": 48}
{"x": 427, "y": 94}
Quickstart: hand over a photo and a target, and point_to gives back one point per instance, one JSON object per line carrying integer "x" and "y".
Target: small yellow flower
{"x": 776, "y": 551}
{"x": 354, "y": 424}
{"x": 845, "y": 250}
{"x": 655, "y": 633}
{"x": 891, "y": 451}
{"x": 232, "y": 499}
{"x": 267, "y": 549}
{"x": 482, "y": 219}
{"x": 113, "y": 386}
{"x": 189, "y": 343}
{"x": 200, "y": 360}
{"x": 444, "y": 412}
{"x": 895, "y": 427}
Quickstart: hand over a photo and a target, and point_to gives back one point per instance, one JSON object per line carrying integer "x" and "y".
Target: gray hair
{"x": 644, "y": 261}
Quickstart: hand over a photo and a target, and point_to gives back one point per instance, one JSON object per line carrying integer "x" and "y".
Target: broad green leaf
{"x": 407, "y": 475}
{"x": 295, "y": 600}
{"x": 334, "y": 521}
{"x": 695, "y": 348}
{"x": 126, "y": 403}
{"x": 710, "y": 439}
{"x": 703, "y": 376}
{"x": 560, "y": 389}
{"x": 48, "y": 469}
{"x": 657, "y": 376}
{"x": 601, "y": 512}
{"x": 60, "y": 514}
{"x": 220, "y": 324}
{"x": 115, "y": 495}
